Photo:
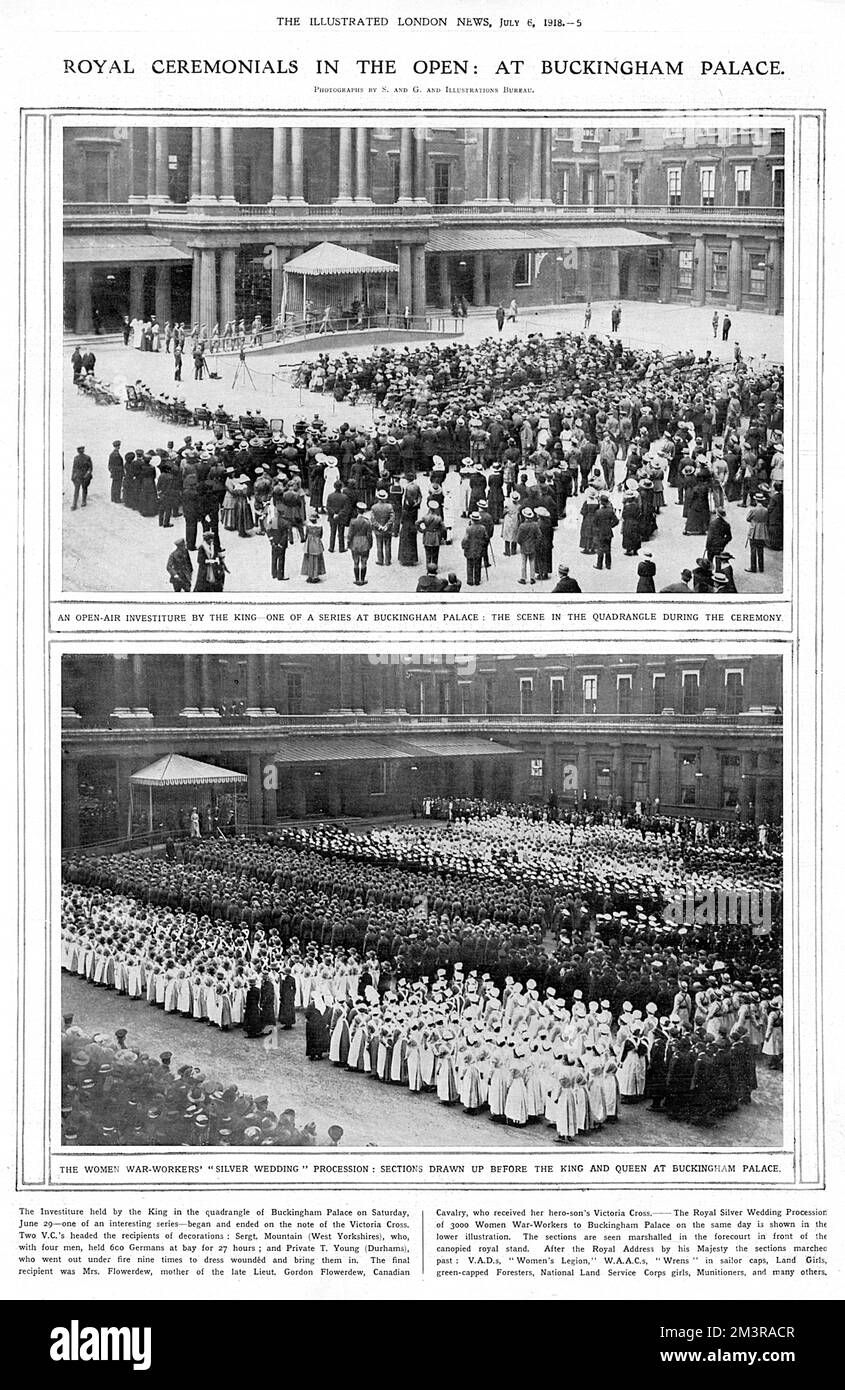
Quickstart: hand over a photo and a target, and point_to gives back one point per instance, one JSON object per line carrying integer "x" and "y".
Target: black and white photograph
{"x": 423, "y": 901}
{"x": 388, "y": 360}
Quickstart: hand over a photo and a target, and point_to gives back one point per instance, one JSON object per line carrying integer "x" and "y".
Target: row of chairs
{"x": 177, "y": 413}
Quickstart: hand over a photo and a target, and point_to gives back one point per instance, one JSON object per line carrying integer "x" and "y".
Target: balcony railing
{"x": 499, "y": 726}
{"x": 545, "y": 212}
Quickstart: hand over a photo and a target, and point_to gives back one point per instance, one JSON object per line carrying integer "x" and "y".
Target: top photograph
{"x": 376, "y": 361}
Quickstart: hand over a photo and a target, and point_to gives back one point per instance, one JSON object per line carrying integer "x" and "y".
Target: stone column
{"x": 420, "y": 166}
{"x": 478, "y": 292}
{"x": 159, "y": 192}
{"x": 228, "y": 261}
{"x": 444, "y": 281}
{"x": 585, "y": 273}
{"x": 297, "y": 177}
{"x": 344, "y": 165}
{"x": 277, "y": 278}
{"x": 190, "y": 709}
{"x": 163, "y": 292}
{"x": 208, "y": 165}
{"x": 253, "y": 688}
{"x": 281, "y": 141}
{"x": 406, "y": 289}
{"x": 362, "y": 164}
{"x": 504, "y": 165}
{"x": 227, "y": 164}
{"x": 70, "y": 803}
{"x": 123, "y": 688}
{"x": 83, "y": 320}
{"x": 195, "y": 286}
{"x": 665, "y": 290}
{"x": 140, "y": 698}
{"x": 773, "y": 289}
{"x": 196, "y": 163}
{"x": 208, "y": 288}
{"x": 699, "y": 271}
{"x": 270, "y": 794}
{"x": 418, "y": 280}
{"x": 634, "y": 264}
{"x": 268, "y": 703}
{"x": 406, "y": 166}
{"x": 613, "y": 279}
{"x": 136, "y": 290}
{"x": 492, "y": 188}
{"x": 536, "y": 184}
{"x": 208, "y": 696}
{"x": 151, "y": 164}
{"x": 734, "y": 273}
{"x": 255, "y": 789}
{"x": 547, "y": 166}
{"x": 654, "y": 774}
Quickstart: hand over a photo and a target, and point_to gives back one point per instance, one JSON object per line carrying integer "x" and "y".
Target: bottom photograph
{"x": 425, "y": 901}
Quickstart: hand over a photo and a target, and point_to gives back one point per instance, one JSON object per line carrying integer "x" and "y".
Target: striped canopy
{"x": 330, "y": 259}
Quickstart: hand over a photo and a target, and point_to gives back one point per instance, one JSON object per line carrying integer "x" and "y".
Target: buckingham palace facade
{"x": 194, "y": 223}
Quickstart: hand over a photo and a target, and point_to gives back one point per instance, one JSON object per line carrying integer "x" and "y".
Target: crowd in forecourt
{"x": 532, "y": 425}
{"x": 520, "y": 965}
{"x": 115, "y": 1095}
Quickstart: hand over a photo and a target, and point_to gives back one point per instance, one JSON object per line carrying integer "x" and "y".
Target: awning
{"x": 174, "y": 770}
{"x": 348, "y": 748}
{"x": 455, "y": 746}
{"x": 119, "y": 250}
{"x": 458, "y": 239}
{"x": 330, "y": 259}
{"x": 339, "y": 750}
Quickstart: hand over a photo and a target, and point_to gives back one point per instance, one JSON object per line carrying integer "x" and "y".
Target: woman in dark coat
{"x": 267, "y": 1001}
{"x": 631, "y": 538}
{"x": 408, "y": 554}
{"x": 130, "y": 480}
{"x": 495, "y": 494}
{"x": 253, "y": 1027}
{"x": 648, "y": 517}
{"x": 147, "y": 495}
{"x": 646, "y": 570}
{"x": 211, "y": 566}
{"x": 589, "y": 508}
{"x": 775, "y": 518}
{"x": 698, "y": 505}
{"x": 316, "y": 1033}
{"x": 287, "y": 995}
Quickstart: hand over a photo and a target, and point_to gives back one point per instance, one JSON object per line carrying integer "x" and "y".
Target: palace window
{"x": 444, "y": 697}
{"x": 639, "y": 781}
{"x": 778, "y": 186}
{"x": 690, "y": 692}
{"x": 730, "y": 781}
{"x": 755, "y": 273}
{"x": 658, "y": 693}
{"x": 588, "y": 187}
{"x": 719, "y": 270}
{"x": 561, "y": 187}
{"x": 674, "y": 185}
{"x": 624, "y": 694}
{"x": 634, "y": 186}
{"x": 442, "y": 172}
{"x": 96, "y": 176}
{"x": 556, "y": 693}
{"x": 590, "y": 694}
{"x": 707, "y": 180}
{"x": 488, "y": 691}
{"x": 609, "y": 189}
{"x": 523, "y": 268}
{"x": 526, "y": 695}
{"x": 294, "y": 692}
{"x": 734, "y": 681}
{"x": 742, "y": 181}
{"x": 378, "y": 779}
{"x": 688, "y": 779}
{"x": 464, "y": 697}
{"x": 685, "y": 270}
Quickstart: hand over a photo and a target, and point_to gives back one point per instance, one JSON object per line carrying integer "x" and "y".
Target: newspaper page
{"x": 444, "y": 800}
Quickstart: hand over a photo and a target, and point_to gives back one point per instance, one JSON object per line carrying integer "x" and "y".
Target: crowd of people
{"x": 531, "y": 426}
{"x": 113, "y": 1094}
{"x": 498, "y": 960}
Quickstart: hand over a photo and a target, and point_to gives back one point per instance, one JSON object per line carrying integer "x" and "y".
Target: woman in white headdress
{"x": 516, "y": 1100}
{"x": 566, "y": 1110}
